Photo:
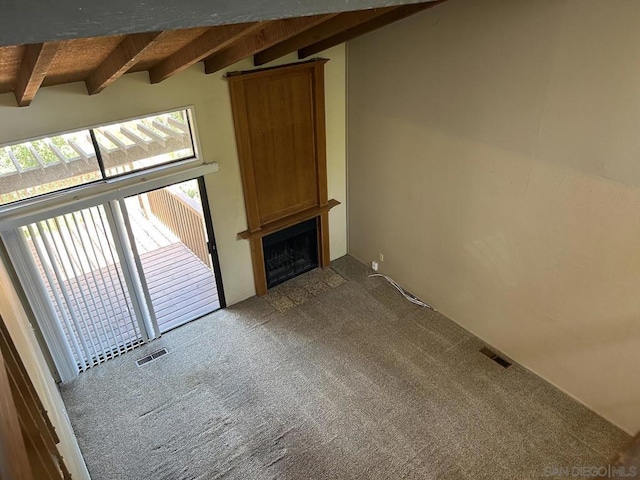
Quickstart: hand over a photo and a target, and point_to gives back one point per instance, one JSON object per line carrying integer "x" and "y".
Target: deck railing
{"x": 183, "y": 216}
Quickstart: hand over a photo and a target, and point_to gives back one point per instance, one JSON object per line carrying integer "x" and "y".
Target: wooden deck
{"x": 182, "y": 288}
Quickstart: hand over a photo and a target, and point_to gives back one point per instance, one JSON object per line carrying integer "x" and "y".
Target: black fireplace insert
{"x": 290, "y": 252}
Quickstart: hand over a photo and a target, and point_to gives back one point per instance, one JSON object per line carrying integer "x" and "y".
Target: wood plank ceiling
{"x": 100, "y": 61}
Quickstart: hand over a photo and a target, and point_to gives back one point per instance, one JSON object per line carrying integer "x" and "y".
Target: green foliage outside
{"x": 47, "y": 155}
{"x": 6, "y": 165}
{"x": 64, "y": 147}
{"x": 190, "y": 189}
{"x": 24, "y": 156}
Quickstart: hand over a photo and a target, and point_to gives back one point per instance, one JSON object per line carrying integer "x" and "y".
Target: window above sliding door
{"x": 59, "y": 162}
{"x": 47, "y": 165}
{"x": 145, "y": 142}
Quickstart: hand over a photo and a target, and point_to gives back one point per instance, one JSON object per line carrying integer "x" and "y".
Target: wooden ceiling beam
{"x": 394, "y": 14}
{"x": 35, "y": 62}
{"x": 210, "y": 42}
{"x": 333, "y": 25}
{"x": 273, "y": 33}
{"x": 121, "y": 59}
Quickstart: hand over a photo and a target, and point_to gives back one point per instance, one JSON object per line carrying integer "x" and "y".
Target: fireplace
{"x": 290, "y": 252}
{"x": 284, "y": 173}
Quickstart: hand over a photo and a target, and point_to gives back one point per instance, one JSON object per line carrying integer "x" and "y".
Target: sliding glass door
{"x": 77, "y": 258}
{"x": 107, "y": 278}
{"x": 171, "y": 239}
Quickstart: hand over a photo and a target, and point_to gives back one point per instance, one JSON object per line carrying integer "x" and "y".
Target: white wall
{"x": 68, "y": 107}
{"x": 494, "y": 158}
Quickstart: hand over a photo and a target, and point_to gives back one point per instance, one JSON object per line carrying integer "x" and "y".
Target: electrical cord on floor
{"x": 405, "y": 294}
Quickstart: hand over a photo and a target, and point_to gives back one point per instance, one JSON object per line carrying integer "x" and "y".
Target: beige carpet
{"x": 333, "y": 376}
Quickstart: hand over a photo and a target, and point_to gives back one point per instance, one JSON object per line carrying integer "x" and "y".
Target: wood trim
{"x": 395, "y": 14}
{"x": 18, "y": 373}
{"x": 38, "y": 437}
{"x": 240, "y": 76}
{"x": 320, "y": 139}
{"x": 288, "y": 211}
{"x": 14, "y": 461}
{"x": 241, "y": 124}
{"x": 285, "y": 222}
{"x": 35, "y": 63}
{"x": 331, "y": 26}
{"x": 274, "y": 32}
{"x": 210, "y": 42}
{"x": 121, "y": 59}
{"x": 259, "y": 273}
{"x": 323, "y": 247}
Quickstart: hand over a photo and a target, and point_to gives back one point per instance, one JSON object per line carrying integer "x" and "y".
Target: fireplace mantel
{"x": 285, "y": 222}
{"x": 279, "y": 122}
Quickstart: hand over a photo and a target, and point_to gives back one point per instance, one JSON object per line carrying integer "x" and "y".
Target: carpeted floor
{"x": 332, "y": 376}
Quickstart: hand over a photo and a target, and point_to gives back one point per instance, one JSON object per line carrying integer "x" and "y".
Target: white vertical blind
{"x": 77, "y": 258}
{"x": 42, "y": 306}
{"x": 132, "y": 276}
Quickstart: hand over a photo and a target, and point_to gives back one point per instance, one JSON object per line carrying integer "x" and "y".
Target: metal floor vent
{"x": 152, "y": 357}
{"x": 495, "y": 357}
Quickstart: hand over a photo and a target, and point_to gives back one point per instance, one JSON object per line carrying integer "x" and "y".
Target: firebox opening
{"x": 290, "y": 252}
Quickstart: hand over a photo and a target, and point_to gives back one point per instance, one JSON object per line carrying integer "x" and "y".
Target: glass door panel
{"x": 171, "y": 239}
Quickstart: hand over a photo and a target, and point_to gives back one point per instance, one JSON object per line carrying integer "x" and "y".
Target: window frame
{"x": 171, "y": 166}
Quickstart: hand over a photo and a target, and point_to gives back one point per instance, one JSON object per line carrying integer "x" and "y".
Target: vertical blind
{"x": 77, "y": 258}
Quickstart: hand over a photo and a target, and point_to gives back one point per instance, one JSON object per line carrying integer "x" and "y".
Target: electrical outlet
{"x": 380, "y": 257}
{"x": 374, "y": 266}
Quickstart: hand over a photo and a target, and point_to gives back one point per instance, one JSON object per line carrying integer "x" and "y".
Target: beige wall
{"x": 18, "y": 325}
{"x": 68, "y": 107}
{"x": 494, "y": 159}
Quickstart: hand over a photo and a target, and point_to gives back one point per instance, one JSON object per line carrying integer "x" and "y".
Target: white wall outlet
{"x": 374, "y": 266}
{"x": 380, "y": 257}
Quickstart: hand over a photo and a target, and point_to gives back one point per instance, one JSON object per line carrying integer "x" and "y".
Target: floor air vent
{"x": 495, "y": 357}
{"x": 152, "y": 357}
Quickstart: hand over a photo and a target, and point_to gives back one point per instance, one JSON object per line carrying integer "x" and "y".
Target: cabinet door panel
{"x": 281, "y": 132}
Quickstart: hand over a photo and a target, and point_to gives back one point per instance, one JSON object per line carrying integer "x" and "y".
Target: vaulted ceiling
{"x": 100, "y": 61}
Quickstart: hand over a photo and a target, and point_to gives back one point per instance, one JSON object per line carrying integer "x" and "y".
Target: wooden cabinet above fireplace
{"x": 280, "y": 133}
